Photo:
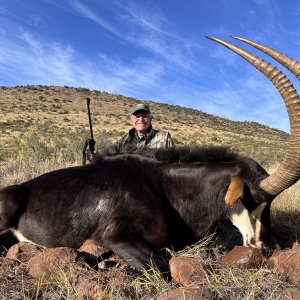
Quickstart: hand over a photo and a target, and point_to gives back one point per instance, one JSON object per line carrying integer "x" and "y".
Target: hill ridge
{"x": 63, "y": 109}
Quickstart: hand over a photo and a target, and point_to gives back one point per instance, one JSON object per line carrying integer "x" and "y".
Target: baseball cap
{"x": 140, "y": 106}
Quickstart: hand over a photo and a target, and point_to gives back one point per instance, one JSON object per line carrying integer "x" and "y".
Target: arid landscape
{"x": 62, "y": 112}
{"x": 43, "y": 128}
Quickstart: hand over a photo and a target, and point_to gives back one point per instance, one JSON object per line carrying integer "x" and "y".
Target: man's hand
{"x": 90, "y": 156}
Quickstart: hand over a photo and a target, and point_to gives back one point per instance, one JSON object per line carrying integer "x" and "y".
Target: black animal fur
{"x": 133, "y": 204}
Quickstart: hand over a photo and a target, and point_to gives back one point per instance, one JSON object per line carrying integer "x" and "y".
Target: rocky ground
{"x": 203, "y": 271}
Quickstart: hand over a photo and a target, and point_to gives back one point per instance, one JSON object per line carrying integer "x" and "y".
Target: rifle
{"x": 89, "y": 142}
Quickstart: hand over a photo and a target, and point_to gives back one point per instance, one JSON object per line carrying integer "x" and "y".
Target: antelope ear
{"x": 235, "y": 190}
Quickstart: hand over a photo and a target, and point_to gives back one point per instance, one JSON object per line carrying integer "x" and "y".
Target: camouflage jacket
{"x": 154, "y": 139}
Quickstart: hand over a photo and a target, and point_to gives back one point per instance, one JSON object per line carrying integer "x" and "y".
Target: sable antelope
{"x": 136, "y": 204}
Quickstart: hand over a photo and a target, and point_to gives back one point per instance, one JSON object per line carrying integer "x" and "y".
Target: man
{"x": 142, "y": 134}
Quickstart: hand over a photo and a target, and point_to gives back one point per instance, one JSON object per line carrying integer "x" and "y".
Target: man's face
{"x": 141, "y": 120}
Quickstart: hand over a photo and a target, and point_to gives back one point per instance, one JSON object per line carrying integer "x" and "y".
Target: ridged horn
{"x": 288, "y": 62}
{"x": 288, "y": 171}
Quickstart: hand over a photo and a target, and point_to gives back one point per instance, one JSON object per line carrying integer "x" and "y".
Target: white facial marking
{"x": 243, "y": 223}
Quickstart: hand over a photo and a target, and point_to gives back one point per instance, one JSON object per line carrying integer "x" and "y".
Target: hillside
{"x": 53, "y": 112}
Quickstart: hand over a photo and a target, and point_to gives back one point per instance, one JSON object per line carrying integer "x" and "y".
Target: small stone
{"x": 87, "y": 288}
{"x": 90, "y": 247}
{"x": 290, "y": 294}
{"x": 52, "y": 259}
{"x": 244, "y": 257}
{"x": 200, "y": 293}
{"x": 287, "y": 263}
{"x": 22, "y": 252}
{"x": 186, "y": 270}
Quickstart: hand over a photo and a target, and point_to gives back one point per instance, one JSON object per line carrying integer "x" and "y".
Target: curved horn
{"x": 288, "y": 62}
{"x": 289, "y": 170}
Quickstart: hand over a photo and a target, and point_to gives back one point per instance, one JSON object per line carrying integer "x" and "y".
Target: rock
{"x": 186, "y": 270}
{"x": 287, "y": 263}
{"x": 187, "y": 294}
{"x": 52, "y": 259}
{"x": 290, "y": 294}
{"x": 87, "y": 288}
{"x": 22, "y": 252}
{"x": 90, "y": 247}
{"x": 94, "y": 253}
{"x": 244, "y": 257}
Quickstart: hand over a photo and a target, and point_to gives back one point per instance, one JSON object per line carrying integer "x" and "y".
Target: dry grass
{"x": 286, "y": 207}
{"x": 15, "y": 172}
{"x": 234, "y": 283}
{"x": 288, "y": 201}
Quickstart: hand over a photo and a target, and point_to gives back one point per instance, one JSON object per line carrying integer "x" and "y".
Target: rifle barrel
{"x": 88, "y": 100}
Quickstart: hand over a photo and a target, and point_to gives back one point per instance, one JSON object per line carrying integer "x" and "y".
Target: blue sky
{"x": 153, "y": 50}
